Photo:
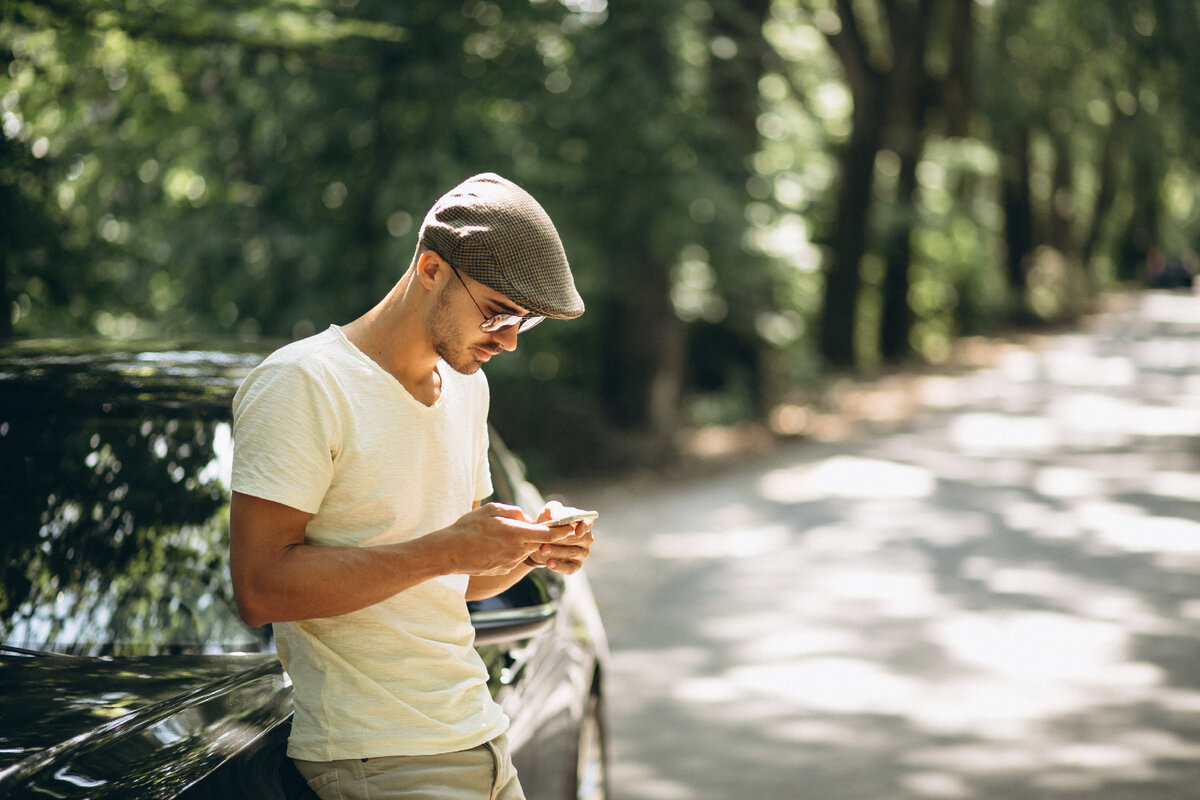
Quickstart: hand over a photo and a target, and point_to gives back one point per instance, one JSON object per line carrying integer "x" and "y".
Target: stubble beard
{"x": 447, "y": 342}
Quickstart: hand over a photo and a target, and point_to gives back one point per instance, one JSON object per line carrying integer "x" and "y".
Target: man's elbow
{"x": 253, "y": 606}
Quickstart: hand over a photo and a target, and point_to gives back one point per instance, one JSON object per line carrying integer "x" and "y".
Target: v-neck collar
{"x": 390, "y": 378}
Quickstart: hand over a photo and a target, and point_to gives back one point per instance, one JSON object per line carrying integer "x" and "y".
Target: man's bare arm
{"x": 278, "y": 577}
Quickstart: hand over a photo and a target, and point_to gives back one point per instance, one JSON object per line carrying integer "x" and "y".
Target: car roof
{"x": 77, "y": 372}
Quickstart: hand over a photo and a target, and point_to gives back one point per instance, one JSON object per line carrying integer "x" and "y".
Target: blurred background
{"x": 754, "y": 195}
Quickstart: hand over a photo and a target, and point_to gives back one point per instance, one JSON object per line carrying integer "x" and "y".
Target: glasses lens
{"x": 502, "y": 322}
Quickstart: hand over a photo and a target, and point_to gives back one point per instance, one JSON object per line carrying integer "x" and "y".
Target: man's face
{"x": 454, "y": 326}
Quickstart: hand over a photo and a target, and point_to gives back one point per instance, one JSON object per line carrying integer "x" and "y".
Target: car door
{"x": 537, "y": 667}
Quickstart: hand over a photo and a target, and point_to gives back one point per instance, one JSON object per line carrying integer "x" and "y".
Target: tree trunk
{"x": 642, "y": 340}
{"x": 956, "y": 89}
{"x": 909, "y": 97}
{"x": 1018, "y": 213}
{"x": 897, "y": 317}
{"x": 856, "y": 165}
{"x": 643, "y": 352}
{"x": 1142, "y": 232}
{"x": 1106, "y": 169}
{"x": 1062, "y": 202}
{"x": 735, "y": 93}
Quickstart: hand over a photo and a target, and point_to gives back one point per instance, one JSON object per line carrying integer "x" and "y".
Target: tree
{"x": 746, "y": 188}
{"x": 886, "y": 73}
{"x": 1094, "y": 127}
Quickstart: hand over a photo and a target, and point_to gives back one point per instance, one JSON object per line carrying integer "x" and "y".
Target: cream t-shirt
{"x": 321, "y": 427}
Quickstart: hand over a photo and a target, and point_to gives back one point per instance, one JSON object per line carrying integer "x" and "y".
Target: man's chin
{"x": 467, "y": 364}
{"x": 468, "y": 360}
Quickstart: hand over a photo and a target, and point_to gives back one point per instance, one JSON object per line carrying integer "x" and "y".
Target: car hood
{"x": 53, "y": 708}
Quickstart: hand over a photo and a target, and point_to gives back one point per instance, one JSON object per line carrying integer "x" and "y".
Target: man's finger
{"x": 505, "y": 510}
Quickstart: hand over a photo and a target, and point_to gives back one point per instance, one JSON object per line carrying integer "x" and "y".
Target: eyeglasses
{"x": 499, "y": 322}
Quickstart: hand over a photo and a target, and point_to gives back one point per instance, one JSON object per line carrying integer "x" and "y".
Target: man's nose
{"x": 507, "y": 338}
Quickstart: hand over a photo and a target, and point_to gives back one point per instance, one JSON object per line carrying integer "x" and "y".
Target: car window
{"x": 116, "y": 528}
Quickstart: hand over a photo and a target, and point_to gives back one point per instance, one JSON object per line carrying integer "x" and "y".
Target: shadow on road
{"x": 999, "y": 599}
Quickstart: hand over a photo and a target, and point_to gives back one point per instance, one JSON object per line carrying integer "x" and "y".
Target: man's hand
{"x": 495, "y": 539}
{"x": 570, "y": 546}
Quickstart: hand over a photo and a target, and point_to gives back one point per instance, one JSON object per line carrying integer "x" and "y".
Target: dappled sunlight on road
{"x": 999, "y": 599}
{"x": 730, "y": 543}
{"x": 846, "y": 476}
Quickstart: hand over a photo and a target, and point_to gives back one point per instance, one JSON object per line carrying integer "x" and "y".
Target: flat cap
{"x": 494, "y": 231}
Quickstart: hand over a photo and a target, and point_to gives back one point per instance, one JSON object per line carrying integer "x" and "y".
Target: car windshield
{"x": 114, "y": 500}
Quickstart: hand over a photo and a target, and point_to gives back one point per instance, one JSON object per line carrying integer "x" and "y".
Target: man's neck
{"x": 392, "y": 335}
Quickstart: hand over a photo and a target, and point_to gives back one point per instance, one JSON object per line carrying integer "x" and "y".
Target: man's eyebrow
{"x": 506, "y": 306}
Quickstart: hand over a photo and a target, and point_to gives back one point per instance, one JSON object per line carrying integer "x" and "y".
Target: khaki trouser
{"x": 484, "y": 772}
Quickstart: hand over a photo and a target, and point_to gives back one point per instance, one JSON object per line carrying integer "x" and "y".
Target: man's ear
{"x": 430, "y": 267}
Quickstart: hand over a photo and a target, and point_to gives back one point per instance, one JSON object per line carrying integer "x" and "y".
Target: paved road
{"x": 997, "y": 599}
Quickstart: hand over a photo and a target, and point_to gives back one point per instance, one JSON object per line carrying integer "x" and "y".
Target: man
{"x": 356, "y": 525}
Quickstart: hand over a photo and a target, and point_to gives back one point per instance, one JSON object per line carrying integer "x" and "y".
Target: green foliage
{"x": 256, "y": 169}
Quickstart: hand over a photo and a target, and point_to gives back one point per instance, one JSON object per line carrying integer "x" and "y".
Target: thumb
{"x": 553, "y": 509}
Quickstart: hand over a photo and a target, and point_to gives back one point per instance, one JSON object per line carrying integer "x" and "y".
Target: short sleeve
{"x": 286, "y": 436}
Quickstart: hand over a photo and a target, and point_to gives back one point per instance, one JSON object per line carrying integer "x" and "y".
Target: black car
{"x": 124, "y": 668}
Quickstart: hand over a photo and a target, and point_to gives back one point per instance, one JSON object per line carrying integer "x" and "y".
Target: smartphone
{"x": 573, "y": 517}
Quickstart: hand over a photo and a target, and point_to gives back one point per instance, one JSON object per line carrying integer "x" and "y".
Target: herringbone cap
{"x": 494, "y": 231}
